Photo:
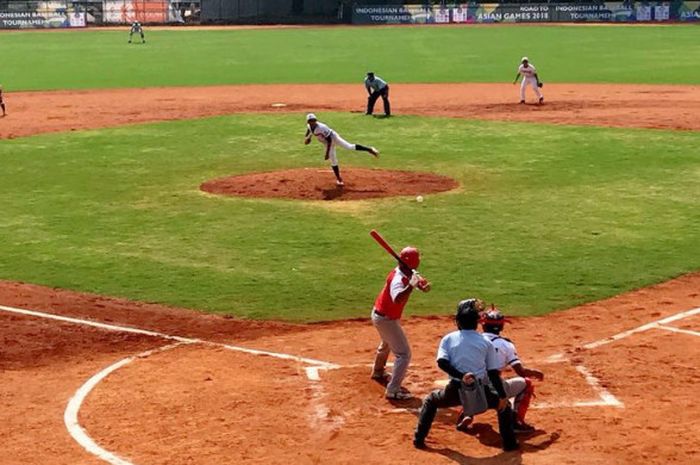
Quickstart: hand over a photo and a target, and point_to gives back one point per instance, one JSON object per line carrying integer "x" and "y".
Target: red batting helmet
{"x": 410, "y": 256}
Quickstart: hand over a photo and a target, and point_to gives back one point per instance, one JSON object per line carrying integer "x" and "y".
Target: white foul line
{"x": 70, "y": 416}
{"x": 639, "y": 329}
{"x": 145, "y": 332}
{"x": 678, "y": 330}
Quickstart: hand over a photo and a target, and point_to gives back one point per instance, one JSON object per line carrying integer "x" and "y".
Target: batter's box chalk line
{"x": 321, "y": 416}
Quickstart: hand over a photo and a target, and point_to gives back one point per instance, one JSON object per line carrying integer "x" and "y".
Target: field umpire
{"x": 475, "y": 381}
{"x": 377, "y": 87}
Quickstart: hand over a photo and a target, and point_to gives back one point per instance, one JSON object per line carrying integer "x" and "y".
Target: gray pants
{"x": 393, "y": 340}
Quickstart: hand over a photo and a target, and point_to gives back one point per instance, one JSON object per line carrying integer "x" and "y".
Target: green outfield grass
{"x": 96, "y": 59}
{"x": 548, "y": 217}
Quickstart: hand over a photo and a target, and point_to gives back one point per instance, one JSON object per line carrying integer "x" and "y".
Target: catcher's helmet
{"x": 467, "y": 316}
{"x": 410, "y": 256}
{"x": 493, "y": 321}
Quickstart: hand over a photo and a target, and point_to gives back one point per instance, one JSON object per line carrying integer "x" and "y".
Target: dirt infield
{"x": 209, "y": 403}
{"x": 640, "y": 106}
{"x": 316, "y": 184}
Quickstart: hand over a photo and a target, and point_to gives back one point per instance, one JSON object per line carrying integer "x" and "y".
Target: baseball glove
{"x": 540, "y": 84}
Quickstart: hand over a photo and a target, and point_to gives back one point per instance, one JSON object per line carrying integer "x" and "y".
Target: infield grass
{"x": 547, "y": 217}
{"x": 100, "y": 59}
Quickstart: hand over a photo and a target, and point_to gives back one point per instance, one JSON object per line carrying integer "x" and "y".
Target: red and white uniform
{"x": 388, "y": 303}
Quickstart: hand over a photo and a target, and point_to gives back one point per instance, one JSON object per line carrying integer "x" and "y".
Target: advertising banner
{"x": 47, "y": 15}
{"x": 628, "y": 11}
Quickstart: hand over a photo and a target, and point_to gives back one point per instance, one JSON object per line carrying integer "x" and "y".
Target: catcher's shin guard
{"x": 524, "y": 400}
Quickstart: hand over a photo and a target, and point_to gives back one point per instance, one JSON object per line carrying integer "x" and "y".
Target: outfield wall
{"x": 473, "y": 12}
{"x": 81, "y": 13}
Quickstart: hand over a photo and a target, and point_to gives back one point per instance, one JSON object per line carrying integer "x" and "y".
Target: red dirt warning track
{"x": 641, "y": 106}
{"x": 317, "y": 184}
{"x": 199, "y": 404}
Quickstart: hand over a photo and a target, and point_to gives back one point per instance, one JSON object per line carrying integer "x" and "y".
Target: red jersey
{"x": 388, "y": 302}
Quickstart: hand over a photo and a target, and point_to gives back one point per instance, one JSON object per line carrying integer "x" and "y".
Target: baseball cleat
{"x": 403, "y": 394}
{"x": 522, "y": 102}
{"x": 463, "y": 423}
{"x": 418, "y": 443}
{"x": 522, "y": 427}
{"x": 541, "y": 100}
{"x": 339, "y": 183}
{"x": 374, "y": 152}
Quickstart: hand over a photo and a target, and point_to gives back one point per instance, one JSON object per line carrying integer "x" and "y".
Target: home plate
{"x": 279, "y": 105}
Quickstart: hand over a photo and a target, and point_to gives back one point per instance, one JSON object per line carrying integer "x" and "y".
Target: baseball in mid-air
{"x": 419, "y": 198}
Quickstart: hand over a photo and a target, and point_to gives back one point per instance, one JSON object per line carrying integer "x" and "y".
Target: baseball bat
{"x": 385, "y": 245}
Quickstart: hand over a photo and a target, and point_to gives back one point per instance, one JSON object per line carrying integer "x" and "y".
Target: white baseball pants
{"x": 337, "y": 140}
{"x": 532, "y": 82}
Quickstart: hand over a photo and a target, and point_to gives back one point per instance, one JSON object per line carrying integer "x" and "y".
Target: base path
{"x": 618, "y": 105}
{"x": 202, "y": 404}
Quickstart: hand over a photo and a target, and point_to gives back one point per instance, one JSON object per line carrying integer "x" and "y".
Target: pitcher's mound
{"x": 319, "y": 184}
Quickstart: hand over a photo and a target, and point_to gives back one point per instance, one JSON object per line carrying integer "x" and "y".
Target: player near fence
{"x": 475, "y": 381}
{"x": 530, "y": 78}
{"x": 377, "y": 87}
{"x": 520, "y": 388}
{"x": 330, "y": 139}
{"x": 136, "y": 28}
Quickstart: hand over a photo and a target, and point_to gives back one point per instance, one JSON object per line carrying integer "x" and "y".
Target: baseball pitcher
{"x": 330, "y": 139}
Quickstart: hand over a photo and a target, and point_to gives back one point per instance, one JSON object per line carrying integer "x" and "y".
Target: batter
{"x": 386, "y": 318}
{"x": 530, "y": 78}
{"x": 330, "y": 139}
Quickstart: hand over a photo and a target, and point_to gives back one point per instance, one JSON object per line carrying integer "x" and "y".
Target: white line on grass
{"x": 70, "y": 416}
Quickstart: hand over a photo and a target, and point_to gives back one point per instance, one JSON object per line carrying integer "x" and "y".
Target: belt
{"x": 378, "y": 313}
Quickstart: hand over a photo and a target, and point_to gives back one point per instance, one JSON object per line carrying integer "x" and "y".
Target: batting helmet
{"x": 467, "y": 316}
{"x": 493, "y": 321}
{"x": 410, "y": 256}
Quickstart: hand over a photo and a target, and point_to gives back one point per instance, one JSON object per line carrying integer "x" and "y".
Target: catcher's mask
{"x": 493, "y": 321}
{"x": 467, "y": 316}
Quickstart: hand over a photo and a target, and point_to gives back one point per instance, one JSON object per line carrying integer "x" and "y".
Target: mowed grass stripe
{"x": 628, "y": 54}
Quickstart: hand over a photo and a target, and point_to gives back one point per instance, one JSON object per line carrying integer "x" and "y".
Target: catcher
{"x": 519, "y": 388}
{"x": 530, "y": 77}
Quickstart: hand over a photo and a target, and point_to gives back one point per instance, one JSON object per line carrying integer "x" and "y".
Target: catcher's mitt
{"x": 540, "y": 84}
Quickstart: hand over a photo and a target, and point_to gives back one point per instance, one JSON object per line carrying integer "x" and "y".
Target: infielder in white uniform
{"x": 529, "y": 74}
{"x": 330, "y": 139}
